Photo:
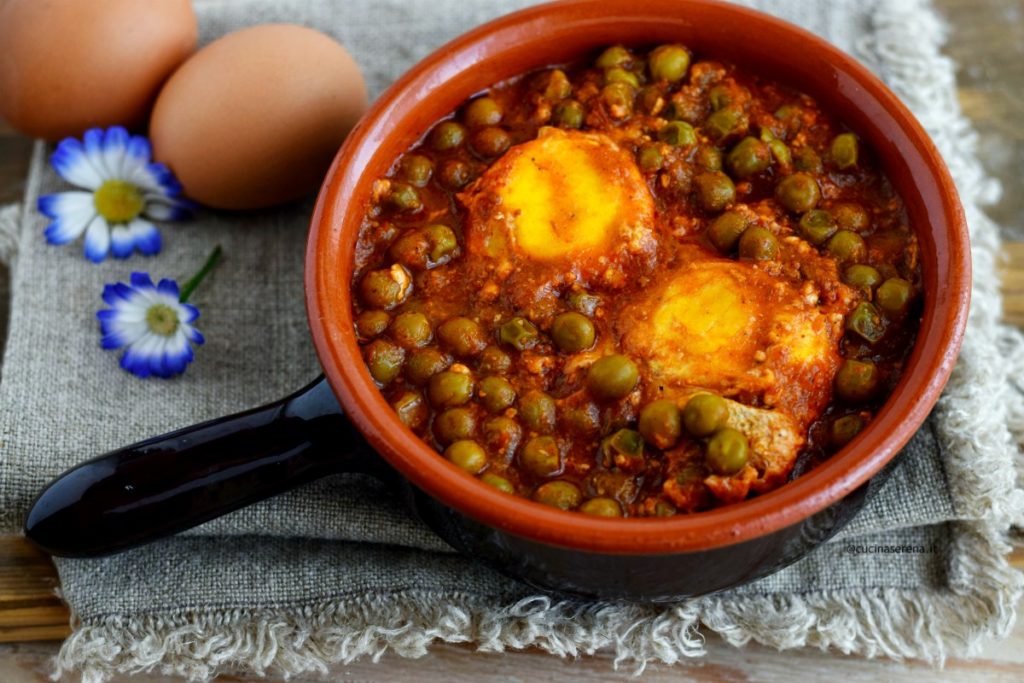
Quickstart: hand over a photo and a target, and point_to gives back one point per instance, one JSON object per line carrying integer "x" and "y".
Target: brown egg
{"x": 68, "y": 65}
{"x": 255, "y": 118}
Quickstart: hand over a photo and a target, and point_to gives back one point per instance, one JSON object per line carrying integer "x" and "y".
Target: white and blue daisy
{"x": 123, "y": 192}
{"x": 151, "y": 323}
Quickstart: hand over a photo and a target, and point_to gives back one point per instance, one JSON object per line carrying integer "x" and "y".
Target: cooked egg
{"x": 69, "y": 65}
{"x": 731, "y": 328}
{"x": 255, "y": 118}
{"x": 574, "y": 202}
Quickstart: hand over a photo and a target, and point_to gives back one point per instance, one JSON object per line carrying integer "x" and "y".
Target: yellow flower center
{"x": 162, "y": 319}
{"x": 118, "y": 201}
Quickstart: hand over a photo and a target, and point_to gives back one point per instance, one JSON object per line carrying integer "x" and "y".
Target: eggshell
{"x": 68, "y": 65}
{"x": 255, "y": 118}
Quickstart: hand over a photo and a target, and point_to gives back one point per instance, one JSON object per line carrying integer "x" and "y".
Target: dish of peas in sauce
{"x": 637, "y": 285}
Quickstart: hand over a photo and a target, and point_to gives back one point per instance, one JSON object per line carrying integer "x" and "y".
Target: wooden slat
{"x": 29, "y": 606}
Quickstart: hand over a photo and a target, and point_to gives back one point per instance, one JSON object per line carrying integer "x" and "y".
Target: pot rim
{"x": 945, "y": 265}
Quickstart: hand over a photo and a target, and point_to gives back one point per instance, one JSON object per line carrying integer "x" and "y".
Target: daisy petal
{"x": 137, "y": 155}
{"x": 97, "y": 240}
{"x": 122, "y": 244}
{"x": 169, "y": 288}
{"x": 115, "y": 145}
{"x": 93, "y": 142}
{"x": 71, "y": 163}
{"x": 157, "y": 178}
{"x": 146, "y": 237}
{"x": 195, "y": 336}
{"x": 71, "y": 213}
{"x": 163, "y": 209}
{"x": 142, "y": 281}
{"x": 188, "y": 312}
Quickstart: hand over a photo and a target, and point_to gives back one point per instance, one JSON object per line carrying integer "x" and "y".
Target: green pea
{"x": 447, "y": 135}
{"x": 704, "y": 414}
{"x": 856, "y": 381}
{"x": 467, "y": 455}
{"x": 747, "y": 157}
{"x": 759, "y": 244}
{"x": 678, "y": 134}
{"x": 370, "y": 324}
{"x": 448, "y": 389}
{"x": 494, "y": 361}
{"x": 664, "y": 508}
{"x": 727, "y": 451}
{"x": 572, "y": 332}
{"x": 817, "y": 225}
{"x": 893, "y": 296}
{"x": 843, "y": 429}
{"x": 612, "y": 377}
{"x": 411, "y": 409}
{"x": 463, "y": 336}
{"x": 404, "y": 197}
{"x": 491, "y": 142}
{"x": 724, "y": 232}
{"x": 454, "y": 424}
{"x": 385, "y": 288}
{"x": 709, "y": 158}
{"x": 847, "y": 246}
{"x": 780, "y": 152}
{"x": 410, "y": 330}
{"x": 498, "y": 482}
{"x": 661, "y": 423}
{"x": 481, "y": 112}
{"x": 807, "y": 160}
{"x": 649, "y": 158}
{"x": 601, "y": 507}
{"x": 424, "y": 364}
{"x": 584, "y": 419}
{"x": 583, "y": 302}
{"x": 541, "y": 456}
{"x": 554, "y": 85}
{"x": 798, "y": 192}
{"x": 417, "y": 169}
{"x": 788, "y": 113}
{"x": 862, "y": 277}
{"x": 618, "y": 99}
{"x": 496, "y": 393}
{"x": 502, "y": 435}
{"x": 455, "y": 174}
{"x": 851, "y": 216}
{"x": 715, "y": 190}
{"x": 843, "y": 151}
{"x": 865, "y": 321}
{"x": 620, "y": 75}
{"x": 719, "y": 97}
{"x": 537, "y": 411}
{"x": 621, "y": 447}
{"x": 518, "y": 333}
{"x": 569, "y": 114}
{"x": 668, "y": 62}
{"x": 383, "y": 360}
{"x": 559, "y": 494}
{"x": 724, "y": 123}
{"x": 441, "y": 241}
{"x": 616, "y": 55}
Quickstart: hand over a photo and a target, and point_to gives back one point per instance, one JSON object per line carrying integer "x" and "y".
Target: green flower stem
{"x": 191, "y": 285}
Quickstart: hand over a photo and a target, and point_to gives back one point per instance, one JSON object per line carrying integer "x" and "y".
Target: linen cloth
{"x": 338, "y": 569}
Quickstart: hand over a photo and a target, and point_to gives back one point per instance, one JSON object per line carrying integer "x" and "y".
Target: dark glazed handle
{"x": 174, "y": 482}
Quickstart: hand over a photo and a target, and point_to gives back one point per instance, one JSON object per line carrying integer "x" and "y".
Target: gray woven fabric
{"x": 338, "y": 569}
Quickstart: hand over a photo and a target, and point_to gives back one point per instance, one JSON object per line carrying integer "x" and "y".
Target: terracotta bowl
{"x": 219, "y": 466}
{"x": 552, "y": 34}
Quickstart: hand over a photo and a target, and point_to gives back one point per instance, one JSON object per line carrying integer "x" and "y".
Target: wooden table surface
{"x": 987, "y": 41}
